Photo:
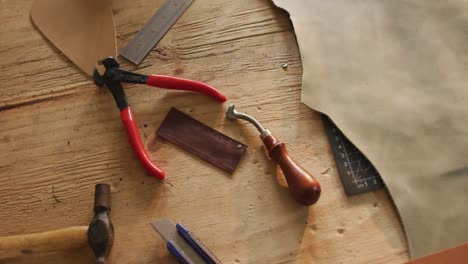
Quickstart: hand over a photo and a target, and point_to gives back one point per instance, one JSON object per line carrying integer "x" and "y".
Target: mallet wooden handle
{"x": 50, "y": 241}
{"x": 302, "y": 185}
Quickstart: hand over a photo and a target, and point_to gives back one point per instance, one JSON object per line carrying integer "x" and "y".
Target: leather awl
{"x": 302, "y": 185}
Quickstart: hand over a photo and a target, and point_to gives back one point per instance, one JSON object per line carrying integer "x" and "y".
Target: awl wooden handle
{"x": 302, "y": 185}
{"x": 50, "y": 241}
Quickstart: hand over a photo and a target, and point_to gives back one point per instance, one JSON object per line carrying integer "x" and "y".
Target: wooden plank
{"x": 60, "y": 135}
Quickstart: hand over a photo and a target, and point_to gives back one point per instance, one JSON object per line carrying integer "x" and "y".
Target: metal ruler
{"x": 154, "y": 30}
{"x": 357, "y": 173}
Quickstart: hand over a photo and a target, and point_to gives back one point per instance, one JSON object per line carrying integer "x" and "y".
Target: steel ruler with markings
{"x": 154, "y": 30}
{"x": 357, "y": 173}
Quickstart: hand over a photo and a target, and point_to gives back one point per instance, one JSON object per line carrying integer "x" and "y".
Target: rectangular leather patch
{"x": 201, "y": 140}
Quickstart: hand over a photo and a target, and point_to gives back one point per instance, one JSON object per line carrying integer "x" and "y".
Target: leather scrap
{"x": 83, "y": 30}
{"x": 201, "y": 140}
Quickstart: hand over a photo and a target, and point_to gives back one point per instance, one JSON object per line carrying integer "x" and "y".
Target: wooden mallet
{"x": 99, "y": 235}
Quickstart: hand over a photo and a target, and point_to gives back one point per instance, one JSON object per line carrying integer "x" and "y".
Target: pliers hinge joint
{"x": 118, "y": 75}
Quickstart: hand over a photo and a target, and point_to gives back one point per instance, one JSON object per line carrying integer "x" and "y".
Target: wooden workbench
{"x": 60, "y": 135}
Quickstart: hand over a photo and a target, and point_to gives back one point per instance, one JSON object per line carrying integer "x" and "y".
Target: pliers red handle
{"x": 113, "y": 77}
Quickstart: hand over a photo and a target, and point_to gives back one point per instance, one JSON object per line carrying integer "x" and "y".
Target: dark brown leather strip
{"x": 201, "y": 140}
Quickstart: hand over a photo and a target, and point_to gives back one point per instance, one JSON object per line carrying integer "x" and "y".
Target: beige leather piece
{"x": 83, "y": 30}
{"x": 393, "y": 75}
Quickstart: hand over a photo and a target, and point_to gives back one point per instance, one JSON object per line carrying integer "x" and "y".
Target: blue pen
{"x": 177, "y": 252}
{"x": 182, "y": 244}
{"x": 197, "y": 245}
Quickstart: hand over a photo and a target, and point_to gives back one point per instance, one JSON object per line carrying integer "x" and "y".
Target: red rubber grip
{"x": 131, "y": 128}
{"x": 175, "y": 83}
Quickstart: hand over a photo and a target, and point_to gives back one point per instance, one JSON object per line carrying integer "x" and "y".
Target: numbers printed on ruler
{"x": 356, "y": 172}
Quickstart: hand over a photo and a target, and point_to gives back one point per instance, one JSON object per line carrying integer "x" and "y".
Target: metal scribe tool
{"x": 302, "y": 185}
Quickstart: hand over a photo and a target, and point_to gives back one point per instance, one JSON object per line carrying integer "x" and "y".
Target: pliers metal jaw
{"x": 113, "y": 78}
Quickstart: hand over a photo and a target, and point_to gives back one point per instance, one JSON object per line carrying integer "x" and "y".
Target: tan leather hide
{"x": 83, "y": 30}
{"x": 393, "y": 75}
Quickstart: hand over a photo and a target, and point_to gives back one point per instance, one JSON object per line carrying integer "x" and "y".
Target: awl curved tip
{"x": 230, "y": 112}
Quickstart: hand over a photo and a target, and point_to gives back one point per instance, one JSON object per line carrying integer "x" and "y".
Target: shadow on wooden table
{"x": 78, "y": 256}
{"x": 273, "y": 226}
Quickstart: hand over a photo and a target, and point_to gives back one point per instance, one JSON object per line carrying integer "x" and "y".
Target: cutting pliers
{"x": 113, "y": 77}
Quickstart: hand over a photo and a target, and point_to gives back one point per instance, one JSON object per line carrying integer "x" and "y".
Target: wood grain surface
{"x": 60, "y": 135}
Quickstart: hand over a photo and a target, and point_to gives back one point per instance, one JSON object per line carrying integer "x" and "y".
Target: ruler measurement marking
{"x": 149, "y": 27}
{"x": 365, "y": 179}
{"x": 347, "y": 157}
{"x": 154, "y": 30}
{"x": 356, "y": 178}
